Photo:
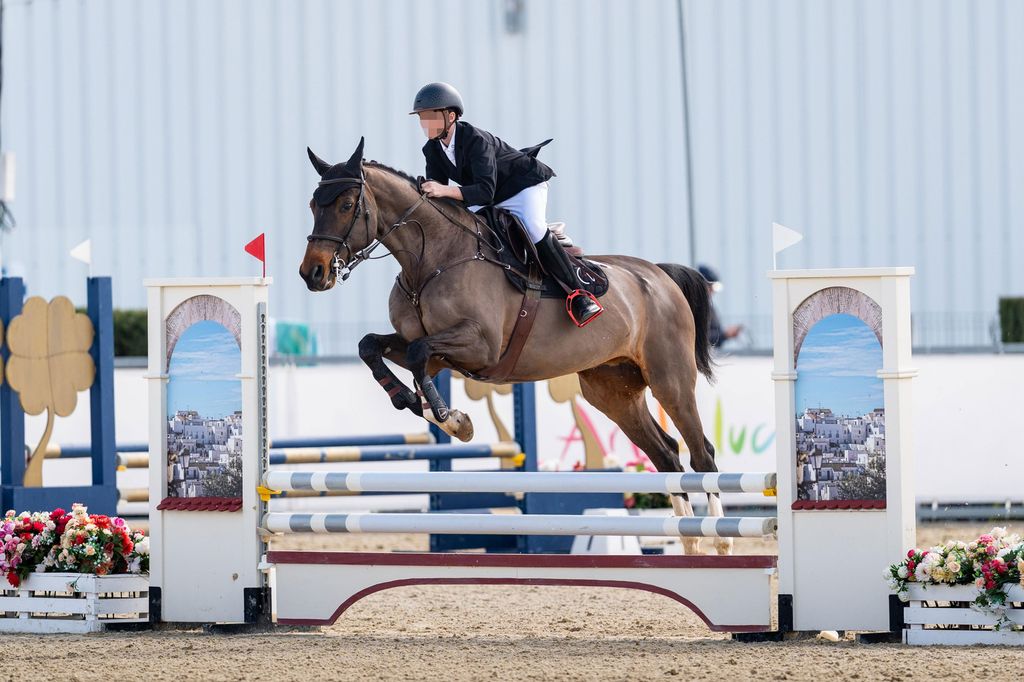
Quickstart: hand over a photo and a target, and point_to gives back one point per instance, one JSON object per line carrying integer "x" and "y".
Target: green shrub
{"x": 130, "y": 333}
{"x": 1011, "y": 319}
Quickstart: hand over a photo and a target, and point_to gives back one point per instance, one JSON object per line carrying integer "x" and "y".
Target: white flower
{"x": 902, "y": 572}
{"x": 903, "y": 596}
{"x": 953, "y": 565}
{"x": 998, "y": 532}
{"x": 143, "y": 546}
{"x": 922, "y": 572}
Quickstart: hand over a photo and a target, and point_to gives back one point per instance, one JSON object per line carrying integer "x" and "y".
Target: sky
{"x": 837, "y": 367}
{"x": 203, "y": 372}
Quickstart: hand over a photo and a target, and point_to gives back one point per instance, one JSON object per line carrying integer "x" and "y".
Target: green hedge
{"x": 130, "y": 333}
{"x": 1011, "y": 319}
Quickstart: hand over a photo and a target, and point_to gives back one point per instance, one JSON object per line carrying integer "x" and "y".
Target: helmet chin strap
{"x": 447, "y": 127}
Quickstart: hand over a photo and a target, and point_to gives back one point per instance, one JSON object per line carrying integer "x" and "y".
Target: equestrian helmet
{"x": 434, "y": 96}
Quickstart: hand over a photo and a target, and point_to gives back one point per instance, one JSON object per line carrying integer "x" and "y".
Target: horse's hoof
{"x": 691, "y": 546}
{"x": 723, "y": 546}
{"x": 458, "y": 425}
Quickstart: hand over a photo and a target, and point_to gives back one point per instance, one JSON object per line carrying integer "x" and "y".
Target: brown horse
{"x": 452, "y": 307}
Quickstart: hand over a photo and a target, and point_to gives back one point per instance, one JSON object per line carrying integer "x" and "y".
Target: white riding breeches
{"x": 530, "y": 206}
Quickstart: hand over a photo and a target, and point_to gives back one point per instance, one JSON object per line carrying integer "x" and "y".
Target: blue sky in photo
{"x": 837, "y": 367}
{"x": 203, "y": 372}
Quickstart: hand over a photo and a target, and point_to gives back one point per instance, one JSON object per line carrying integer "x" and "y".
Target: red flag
{"x": 257, "y": 249}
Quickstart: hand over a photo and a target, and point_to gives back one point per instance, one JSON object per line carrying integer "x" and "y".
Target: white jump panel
{"x": 731, "y": 594}
{"x": 513, "y": 524}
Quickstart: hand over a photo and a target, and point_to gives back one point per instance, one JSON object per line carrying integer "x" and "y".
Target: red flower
{"x": 910, "y": 554}
{"x": 13, "y": 579}
{"x": 57, "y": 512}
{"x": 990, "y": 584}
{"x": 911, "y": 565}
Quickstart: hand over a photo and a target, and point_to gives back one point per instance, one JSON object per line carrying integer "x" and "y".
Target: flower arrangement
{"x": 79, "y": 542}
{"x": 990, "y": 563}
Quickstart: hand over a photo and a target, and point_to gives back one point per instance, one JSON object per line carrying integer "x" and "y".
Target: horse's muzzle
{"x": 319, "y": 278}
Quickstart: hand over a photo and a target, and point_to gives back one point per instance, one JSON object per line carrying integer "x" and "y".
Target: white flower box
{"x": 941, "y": 614}
{"x": 73, "y": 602}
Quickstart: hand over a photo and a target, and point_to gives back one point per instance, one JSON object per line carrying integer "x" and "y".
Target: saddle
{"x": 515, "y": 249}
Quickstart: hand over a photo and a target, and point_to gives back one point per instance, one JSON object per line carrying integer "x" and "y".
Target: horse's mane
{"x": 394, "y": 171}
{"x": 458, "y": 205}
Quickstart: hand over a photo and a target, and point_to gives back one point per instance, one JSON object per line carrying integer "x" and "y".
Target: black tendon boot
{"x": 581, "y": 305}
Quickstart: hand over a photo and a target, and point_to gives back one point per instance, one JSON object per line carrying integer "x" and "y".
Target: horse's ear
{"x": 319, "y": 164}
{"x": 354, "y": 164}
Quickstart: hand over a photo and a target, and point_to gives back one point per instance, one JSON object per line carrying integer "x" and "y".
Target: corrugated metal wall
{"x": 171, "y": 132}
{"x": 888, "y": 132}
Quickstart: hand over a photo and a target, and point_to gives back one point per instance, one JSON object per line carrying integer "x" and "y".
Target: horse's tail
{"x": 695, "y": 289}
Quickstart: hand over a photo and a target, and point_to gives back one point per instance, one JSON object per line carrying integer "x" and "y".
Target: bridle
{"x": 343, "y": 268}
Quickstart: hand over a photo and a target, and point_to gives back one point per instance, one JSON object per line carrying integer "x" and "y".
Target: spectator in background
{"x": 716, "y": 335}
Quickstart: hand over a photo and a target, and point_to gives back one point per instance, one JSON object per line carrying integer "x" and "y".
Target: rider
{"x": 492, "y": 173}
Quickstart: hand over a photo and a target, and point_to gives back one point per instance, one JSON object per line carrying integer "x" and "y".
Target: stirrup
{"x": 593, "y": 300}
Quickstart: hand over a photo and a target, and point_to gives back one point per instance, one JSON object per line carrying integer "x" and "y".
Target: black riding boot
{"x": 581, "y": 305}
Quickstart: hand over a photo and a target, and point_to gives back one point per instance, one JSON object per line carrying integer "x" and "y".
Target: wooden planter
{"x": 73, "y": 602}
{"x": 941, "y": 614}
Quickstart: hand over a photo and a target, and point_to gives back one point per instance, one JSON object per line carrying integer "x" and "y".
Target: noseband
{"x": 343, "y": 268}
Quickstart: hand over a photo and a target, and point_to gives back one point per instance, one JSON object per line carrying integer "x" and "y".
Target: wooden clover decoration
{"x": 49, "y": 365}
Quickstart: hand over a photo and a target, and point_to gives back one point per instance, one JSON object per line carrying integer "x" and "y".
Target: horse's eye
{"x": 347, "y": 205}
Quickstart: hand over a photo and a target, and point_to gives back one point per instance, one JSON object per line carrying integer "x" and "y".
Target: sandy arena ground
{"x": 473, "y": 632}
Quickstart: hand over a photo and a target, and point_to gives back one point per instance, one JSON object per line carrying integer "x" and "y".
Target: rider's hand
{"x": 434, "y": 189}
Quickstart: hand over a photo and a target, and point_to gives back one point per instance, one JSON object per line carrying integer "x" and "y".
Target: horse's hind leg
{"x": 373, "y": 349}
{"x": 619, "y": 391}
{"x": 675, "y": 391}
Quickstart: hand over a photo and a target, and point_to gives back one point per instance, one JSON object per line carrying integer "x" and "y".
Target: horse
{"x": 452, "y": 307}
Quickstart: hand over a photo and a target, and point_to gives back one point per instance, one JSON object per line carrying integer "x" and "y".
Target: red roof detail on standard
{"x": 800, "y": 505}
{"x": 226, "y": 504}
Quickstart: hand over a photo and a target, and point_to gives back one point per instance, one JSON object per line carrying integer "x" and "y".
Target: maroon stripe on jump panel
{"x": 837, "y": 504}
{"x": 568, "y": 582}
{"x": 519, "y": 560}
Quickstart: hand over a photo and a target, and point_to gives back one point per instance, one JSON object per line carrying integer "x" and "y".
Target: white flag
{"x": 83, "y": 252}
{"x": 783, "y": 238}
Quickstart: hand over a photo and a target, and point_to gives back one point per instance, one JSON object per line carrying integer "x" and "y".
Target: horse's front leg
{"x": 373, "y": 350}
{"x": 464, "y": 345}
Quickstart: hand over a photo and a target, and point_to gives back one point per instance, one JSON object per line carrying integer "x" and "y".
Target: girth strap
{"x": 520, "y": 331}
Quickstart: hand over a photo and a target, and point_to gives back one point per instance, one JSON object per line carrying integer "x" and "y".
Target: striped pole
{"x": 384, "y": 453}
{"x": 513, "y": 524}
{"x": 519, "y": 482}
{"x": 55, "y": 451}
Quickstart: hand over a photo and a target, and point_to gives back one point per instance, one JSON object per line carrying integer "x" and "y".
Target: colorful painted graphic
{"x": 840, "y": 413}
{"x": 204, "y": 414}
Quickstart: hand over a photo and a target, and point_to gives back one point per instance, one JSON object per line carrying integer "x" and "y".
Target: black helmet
{"x": 437, "y": 96}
